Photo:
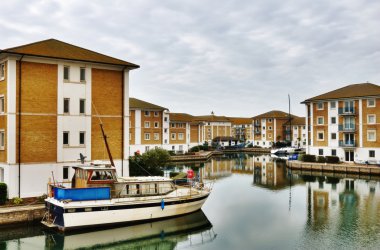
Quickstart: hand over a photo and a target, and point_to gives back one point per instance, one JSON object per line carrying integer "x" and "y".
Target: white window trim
{"x": 156, "y": 136}
{"x": 333, "y": 108}
{"x": 2, "y": 147}
{"x": 323, "y": 106}
{"x": 156, "y": 123}
{"x": 147, "y": 136}
{"x": 374, "y": 103}
{"x": 180, "y": 136}
{"x": 146, "y": 124}
{"x": 154, "y": 114}
{"x": 374, "y": 117}
{"x": 323, "y": 120}
{"x": 270, "y": 128}
{"x": 2, "y": 108}
{"x": 371, "y": 131}
{"x": 321, "y": 132}
{"x": 269, "y": 135}
{"x": 2, "y": 71}
{"x": 147, "y": 115}
{"x": 173, "y": 137}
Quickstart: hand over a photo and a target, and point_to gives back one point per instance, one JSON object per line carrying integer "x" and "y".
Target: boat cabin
{"x": 93, "y": 176}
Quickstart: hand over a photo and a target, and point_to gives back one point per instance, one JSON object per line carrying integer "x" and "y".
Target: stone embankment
{"x": 335, "y": 168}
{"x": 21, "y": 214}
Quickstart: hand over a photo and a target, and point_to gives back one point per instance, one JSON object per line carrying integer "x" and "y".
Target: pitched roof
{"x": 211, "y": 118}
{"x": 52, "y": 48}
{"x": 140, "y": 104}
{"x": 353, "y": 90}
{"x": 273, "y": 114}
{"x": 296, "y": 120}
{"x": 240, "y": 120}
{"x": 180, "y": 117}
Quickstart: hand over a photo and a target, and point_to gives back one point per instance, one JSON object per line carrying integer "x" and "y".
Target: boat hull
{"x": 126, "y": 213}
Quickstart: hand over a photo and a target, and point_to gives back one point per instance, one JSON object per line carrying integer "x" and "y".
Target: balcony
{"x": 347, "y": 143}
{"x": 346, "y": 128}
{"x": 257, "y": 124}
{"x": 346, "y": 111}
{"x": 257, "y": 132}
{"x": 287, "y": 132}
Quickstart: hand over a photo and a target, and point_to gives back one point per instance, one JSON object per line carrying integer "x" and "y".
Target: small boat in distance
{"x": 97, "y": 197}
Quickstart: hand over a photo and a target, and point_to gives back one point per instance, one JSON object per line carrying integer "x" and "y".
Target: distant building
{"x": 214, "y": 126}
{"x": 295, "y": 131}
{"x": 148, "y": 126}
{"x": 345, "y": 123}
{"x": 53, "y": 96}
{"x": 269, "y": 128}
{"x": 242, "y": 128}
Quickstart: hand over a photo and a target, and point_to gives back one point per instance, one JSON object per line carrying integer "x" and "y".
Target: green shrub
{"x": 42, "y": 198}
{"x": 307, "y": 158}
{"x": 3, "y": 193}
{"x": 321, "y": 159}
{"x": 17, "y": 201}
{"x": 194, "y": 149}
{"x": 332, "y": 159}
{"x": 171, "y": 152}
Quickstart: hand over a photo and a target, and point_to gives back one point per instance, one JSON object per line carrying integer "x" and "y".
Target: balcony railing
{"x": 257, "y": 132}
{"x": 287, "y": 132}
{"x": 346, "y": 111}
{"x": 347, "y": 143}
{"x": 257, "y": 124}
{"x": 346, "y": 127}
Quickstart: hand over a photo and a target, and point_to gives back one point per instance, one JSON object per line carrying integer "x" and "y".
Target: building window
{"x": 172, "y": 125}
{"x": 82, "y": 106}
{"x": 320, "y": 136}
{"x": 65, "y": 173}
{"x": 172, "y": 136}
{"x": 146, "y": 124}
{"x": 269, "y": 128}
{"x": 66, "y": 73}
{"x": 173, "y": 147}
{"x": 156, "y": 136}
{"x": 333, "y": 152}
{"x": 320, "y": 151}
{"x": 269, "y": 120}
{"x": 65, "y": 138}
{"x": 146, "y": 113}
{"x": 83, "y": 74}
{"x": 371, "y": 103}
{"x": 333, "y": 105}
{"x": 333, "y": 120}
{"x": 371, "y": 119}
{"x": 166, "y": 141}
{"x": 2, "y": 139}
{"x": 146, "y": 148}
{"x": 66, "y": 105}
{"x": 180, "y": 125}
{"x": 269, "y": 135}
{"x": 165, "y": 130}
{"x": 156, "y": 113}
{"x": 165, "y": 119}
{"x": 263, "y": 135}
{"x": 320, "y": 120}
{"x": 263, "y": 127}
{"x": 372, "y": 153}
{"x": 147, "y": 136}
{"x": 156, "y": 125}
{"x": 371, "y": 135}
{"x": 180, "y": 136}
{"x": 82, "y": 135}
{"x": 2, "y": 71}
{"x": 320, "y": 106}
{"x": 333, "y": 136}
{"x": 2, "y": 104}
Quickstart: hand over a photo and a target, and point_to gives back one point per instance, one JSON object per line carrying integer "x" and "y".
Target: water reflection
{"x": 185, "y": 231}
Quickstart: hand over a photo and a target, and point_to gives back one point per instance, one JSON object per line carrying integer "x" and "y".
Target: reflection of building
{"x": 218, "y": 167}
{"x": 345, "y": 123}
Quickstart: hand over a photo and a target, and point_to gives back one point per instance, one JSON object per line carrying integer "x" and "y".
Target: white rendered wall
{"x": 165, "y": 125}
{"x": 11, "y": 111}
{"x": 332, "y": 128}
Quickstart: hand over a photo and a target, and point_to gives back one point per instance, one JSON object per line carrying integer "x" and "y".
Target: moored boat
{"x": 97, "y": 196}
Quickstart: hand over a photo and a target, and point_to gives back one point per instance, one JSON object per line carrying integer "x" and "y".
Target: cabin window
{"x": 147, "y": 188}
{"x": 83, "y": 74}
{"x": 82, "y": 106}
{"x": 88, "y": 209}
{"x": 164, "y": 187}
{"x": 101, "y": 175}
{"x": 71, "y": 210}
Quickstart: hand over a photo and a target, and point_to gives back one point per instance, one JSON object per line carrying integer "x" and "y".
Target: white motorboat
{"x": 98, "y": 197}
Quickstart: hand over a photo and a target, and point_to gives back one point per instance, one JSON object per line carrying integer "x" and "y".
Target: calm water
{"x": 256, "y": 203}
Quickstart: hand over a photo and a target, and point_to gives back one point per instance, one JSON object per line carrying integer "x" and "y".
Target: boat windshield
{"x": 102, "y": 175}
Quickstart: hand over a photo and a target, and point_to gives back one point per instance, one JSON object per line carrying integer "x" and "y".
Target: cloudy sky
{"x": 236, "y": 58}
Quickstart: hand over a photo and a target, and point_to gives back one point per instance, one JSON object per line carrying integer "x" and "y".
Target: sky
{"x": 235, "y": 58}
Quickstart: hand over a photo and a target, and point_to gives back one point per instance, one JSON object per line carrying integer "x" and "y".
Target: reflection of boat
{"x": 97, "y": 197}
{"x": 163, "y": 234}
{"x": 287, "y": 150}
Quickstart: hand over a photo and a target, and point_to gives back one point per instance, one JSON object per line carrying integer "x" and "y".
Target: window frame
{"x": 173, "y": 137}
{"x": 180, "y": 136}
{"x": 156, "y": 114}
{"x": 2, "y": 71}
{"x": 331, "y": 120}
{"x": 320, "y": 108}
{"x": 374, "y": 119}
{"x": 374, "y": 103}
{"x": 65, "y": 172}
{"x": 68, "y": 106}
{"x": 68, "y": 73}
{"x": 68, "y": 138}
{"x": 156, "y": 123}
{"x": 332, "y": 136}
{"x": 331, "y": 107}
{"x": 84, "y": 74}
{"x": 2, "y": 104}
{"x": 146, "y": 136}
{"x": 2, "y": 139}
{"x": 333, "y": 152}
{"x": 156, "y": 136}
{"x": 80, "y": 106}
{"x": 323, "y": 135}
{"x": 147, "y": 113}
{"x": 84, "y": 138}
{"x": 146, "y": 124}
{"x": 374, "y": 133}
{"x": 323, "y": 120}
{"x": 371, "y": 151}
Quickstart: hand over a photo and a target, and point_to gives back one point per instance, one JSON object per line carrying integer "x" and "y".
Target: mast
{"x": 106, "y": 143}
{"x": 290, "y": 122}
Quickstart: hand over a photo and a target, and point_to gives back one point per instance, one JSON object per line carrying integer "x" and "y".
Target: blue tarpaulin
{"x": 82, "y": 194}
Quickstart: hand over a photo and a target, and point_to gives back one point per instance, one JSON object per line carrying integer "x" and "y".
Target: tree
{"x": 149, "y": 163}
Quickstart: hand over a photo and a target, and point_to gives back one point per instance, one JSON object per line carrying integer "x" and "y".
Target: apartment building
{"x": 269, "y": 128}
{"x": 345, "y": 123}
{"x": 214, "y": 126}
{"x": 148, "y": 126}
{"x": 53, "y": 96}
{"x": 242, "y": 128}
{"x": 295, "y": 131}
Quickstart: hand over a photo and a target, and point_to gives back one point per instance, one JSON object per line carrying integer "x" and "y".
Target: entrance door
{"x": 349, "y": 155}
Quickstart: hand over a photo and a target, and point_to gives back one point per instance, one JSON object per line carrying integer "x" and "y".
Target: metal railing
{"x": 346, "y": 111}
{"x": 347, "y": 143}
{"x": 346, "y": 127}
